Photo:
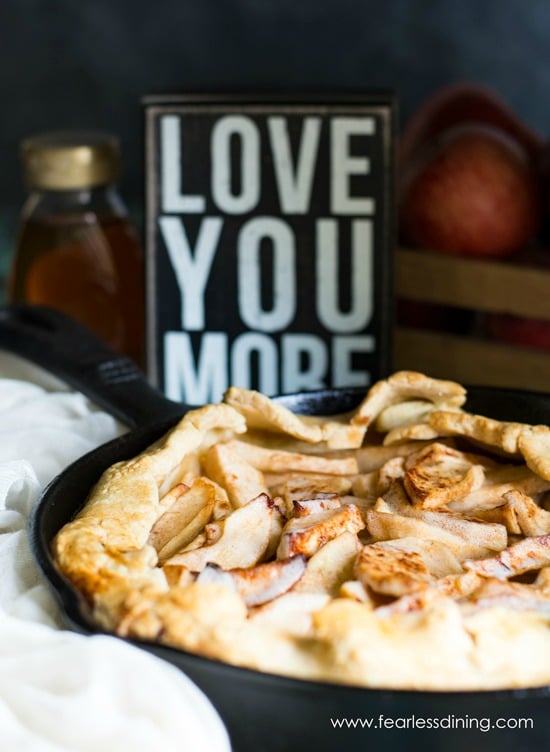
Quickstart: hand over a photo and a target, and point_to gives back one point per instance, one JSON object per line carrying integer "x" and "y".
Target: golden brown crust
{"x": 255, "y": 555}
{"x": 405, "y": 386}
{"x": 106, "y": 545}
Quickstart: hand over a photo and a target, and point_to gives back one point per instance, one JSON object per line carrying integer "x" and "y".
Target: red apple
{"x": 544, "y": 166}
{"x": 460, "y": 103}
{"x": 473, "y": 190}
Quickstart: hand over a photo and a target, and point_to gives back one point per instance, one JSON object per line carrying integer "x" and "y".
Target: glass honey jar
{"x": 77, "y": 250}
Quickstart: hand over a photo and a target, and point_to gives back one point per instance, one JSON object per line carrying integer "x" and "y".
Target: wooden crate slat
{"x": 471, "y": 361}
{"x": 474, "y": 284}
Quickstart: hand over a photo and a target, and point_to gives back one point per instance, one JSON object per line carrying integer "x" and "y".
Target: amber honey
{"x": 77, "y": 250}
{"x": 91, "y": 270}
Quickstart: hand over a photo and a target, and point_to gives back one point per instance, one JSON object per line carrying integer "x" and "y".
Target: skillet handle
{"x": 70, "y": 351}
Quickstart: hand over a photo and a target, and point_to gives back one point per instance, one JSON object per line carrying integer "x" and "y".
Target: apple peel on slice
{"x": 259, "y": 584}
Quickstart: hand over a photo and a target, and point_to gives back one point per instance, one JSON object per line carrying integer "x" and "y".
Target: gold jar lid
{"x": 70, "y": 160}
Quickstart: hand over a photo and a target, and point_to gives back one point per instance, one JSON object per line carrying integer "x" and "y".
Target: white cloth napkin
{"x": 59, "y": 691}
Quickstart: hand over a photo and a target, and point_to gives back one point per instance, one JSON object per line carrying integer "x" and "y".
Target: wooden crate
{"x": 485, "y": 286}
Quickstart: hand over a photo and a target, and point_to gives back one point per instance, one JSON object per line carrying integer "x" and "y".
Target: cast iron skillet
{"x": 263, "y": 712}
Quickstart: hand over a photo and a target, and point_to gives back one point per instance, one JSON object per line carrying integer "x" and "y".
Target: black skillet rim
{"x": 74, "y": 611}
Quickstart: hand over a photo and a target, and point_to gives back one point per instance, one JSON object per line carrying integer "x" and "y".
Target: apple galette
{"x": 405, "y": 544}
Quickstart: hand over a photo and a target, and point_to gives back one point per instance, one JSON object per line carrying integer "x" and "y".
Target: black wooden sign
{"x": 269, "y": 242}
